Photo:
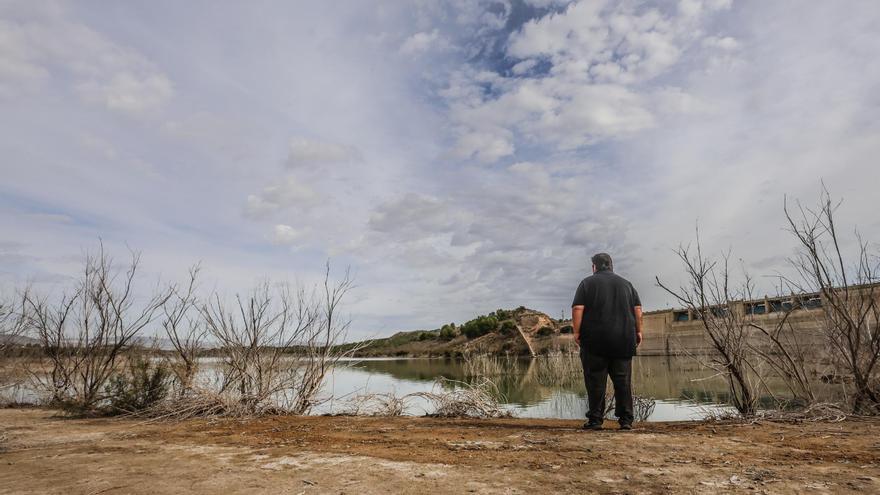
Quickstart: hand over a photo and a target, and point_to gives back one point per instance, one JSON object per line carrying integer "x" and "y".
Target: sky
{"x": 459, "y": 156}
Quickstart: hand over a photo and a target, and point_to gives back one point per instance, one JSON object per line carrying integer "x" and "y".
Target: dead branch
{"x": 84, "y": 334}
{"x": 849, "y": 294}
{"x": 709, "y": 296}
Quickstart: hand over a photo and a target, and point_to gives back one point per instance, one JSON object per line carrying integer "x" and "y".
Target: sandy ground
{"x": 44, "y": 453}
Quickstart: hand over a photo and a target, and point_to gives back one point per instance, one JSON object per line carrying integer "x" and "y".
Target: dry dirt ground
{"x": 45, "y": 453}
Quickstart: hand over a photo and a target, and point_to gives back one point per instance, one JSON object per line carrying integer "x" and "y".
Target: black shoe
{"x": 626, "y": 426}
{"x": 592, "y": 426}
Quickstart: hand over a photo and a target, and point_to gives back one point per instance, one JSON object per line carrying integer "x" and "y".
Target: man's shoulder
{"x": 604, "y": 278}
{"x": 619, "y": 281}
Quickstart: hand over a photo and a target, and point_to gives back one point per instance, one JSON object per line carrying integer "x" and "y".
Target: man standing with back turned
{"x": 606, "y": 317}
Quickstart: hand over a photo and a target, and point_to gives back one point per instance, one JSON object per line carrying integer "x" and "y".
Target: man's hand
{"x": 638, "y": 339}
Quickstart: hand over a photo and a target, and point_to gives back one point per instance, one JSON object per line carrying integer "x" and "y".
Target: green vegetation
{"x": 447, "y": 340}
{"x": 140, "y": 386}
{"x": 448, "y": 332}
{"x": 508, "y": 327}
{"x": 479, "y": 326}
{"x": 397, "y": 340}
{"x": 502, "y": 314}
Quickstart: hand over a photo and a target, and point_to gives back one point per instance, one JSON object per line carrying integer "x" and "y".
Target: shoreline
{"x": 45, "y": 453}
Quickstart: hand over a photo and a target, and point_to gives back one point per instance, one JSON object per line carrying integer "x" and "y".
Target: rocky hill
{"x": 519, "y": 331}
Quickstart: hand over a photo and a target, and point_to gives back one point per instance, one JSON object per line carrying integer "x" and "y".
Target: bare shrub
{"x": 643, "y": 407}
{"x": 84, "y": 334}
{"x": 385, "y": 405}
{"x": 318, "y": 352}
{"x": 789, "y": 356}
{"x": 475, "y": 400}
{"x": 448, "y": 399}
{"x": 849, "y": 294}
{"x": 820, "y": 411}
{"x": 13, "y": 319}
{"x": 185, "y": 331}
{"x": 708, "y": 294}
{"x": 277, "y": 345}
{"x": 198, "y": 403}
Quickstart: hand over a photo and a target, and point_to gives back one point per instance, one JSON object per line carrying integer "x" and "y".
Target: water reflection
{"x": 682, "y": 388}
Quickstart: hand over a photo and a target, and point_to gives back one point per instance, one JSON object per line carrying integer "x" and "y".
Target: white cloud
{"x": 548, "y": 3}
{"x": 423, "y": 42}
{"x": 129, "y": 93}
{"x": 99, "y": 146}
{"x": 600, "y": 55}
{"x": 37, "y": 45}
{"x": 311, "y": 152}
{"x": 722, "y": 42}
{"x": 591, "y": 114}
{"x": 285, "y": 234}
{"x": 414, "y": 217}
{"x": 288, "y": 193}
{"x": 524, "y": 66}
{"x": 486, "y": 146}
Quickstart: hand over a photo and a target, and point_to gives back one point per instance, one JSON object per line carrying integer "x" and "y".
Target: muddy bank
{"x": 43, "y": 453}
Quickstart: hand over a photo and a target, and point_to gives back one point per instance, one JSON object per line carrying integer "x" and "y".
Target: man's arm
{"x": 577, "y": 315}
{"x": 638, "y": 313}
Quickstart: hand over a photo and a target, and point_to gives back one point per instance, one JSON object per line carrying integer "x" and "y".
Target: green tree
{"x": 479, "y": 326}
{"x": 448, "y": 332}
{"x": 508, "y": 327}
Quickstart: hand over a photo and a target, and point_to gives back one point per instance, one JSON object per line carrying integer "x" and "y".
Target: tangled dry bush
{"x": 847, "y": 281}
{"x": 85, "y": 334}
{"x": 820, "y": 412}
{"x": 841, "y": 276}
{"x": 385, "y": 405}
{"x": 198, "y": 403}
{"x": 448, "y": 399}
{"x": 274, "y": 346}
{"x": 643, "y": 407}
{"x": 480, "y": 399}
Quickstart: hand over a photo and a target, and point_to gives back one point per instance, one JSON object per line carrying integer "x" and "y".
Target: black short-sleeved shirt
{"x": 609, "y": 325}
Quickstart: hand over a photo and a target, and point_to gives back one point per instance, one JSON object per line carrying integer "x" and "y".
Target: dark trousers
{"x": 596, "y": 372}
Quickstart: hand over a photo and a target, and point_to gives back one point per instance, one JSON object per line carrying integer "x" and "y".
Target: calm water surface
{"x": 681, "y": 389}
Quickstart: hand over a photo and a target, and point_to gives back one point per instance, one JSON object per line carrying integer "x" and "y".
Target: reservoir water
{"x": 680, "y": 388}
